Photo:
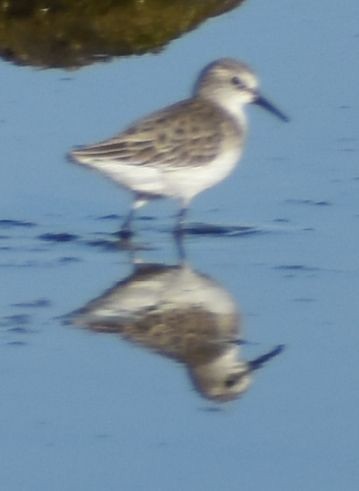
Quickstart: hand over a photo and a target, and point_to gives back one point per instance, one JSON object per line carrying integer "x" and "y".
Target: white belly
{"x": 186, "y": 182}
{"x": 182, "y": 182}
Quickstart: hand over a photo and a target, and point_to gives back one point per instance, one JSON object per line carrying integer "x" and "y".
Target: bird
{"x": 185, "y": 148}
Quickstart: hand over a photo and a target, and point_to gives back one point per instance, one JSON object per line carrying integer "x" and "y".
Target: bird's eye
{"x": 230, "y": 381}
{"x": 237, "y": 82}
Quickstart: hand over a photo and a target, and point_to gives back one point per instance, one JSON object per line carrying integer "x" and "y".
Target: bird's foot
{"x": 125, "y": 233}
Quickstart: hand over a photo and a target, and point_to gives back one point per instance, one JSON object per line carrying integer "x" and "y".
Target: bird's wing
{"x": 188, "y": 133}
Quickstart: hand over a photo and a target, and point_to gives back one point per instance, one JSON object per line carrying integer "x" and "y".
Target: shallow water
{"x": 82, "y": 409}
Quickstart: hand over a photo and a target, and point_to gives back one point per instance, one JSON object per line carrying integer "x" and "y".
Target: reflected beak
{"x": 261, "y": 101}
{"x": 261, "y": 360}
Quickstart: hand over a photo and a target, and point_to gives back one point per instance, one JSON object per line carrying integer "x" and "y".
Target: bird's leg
{"x": 180, "y": 221}
{"x": 126, "y": 229}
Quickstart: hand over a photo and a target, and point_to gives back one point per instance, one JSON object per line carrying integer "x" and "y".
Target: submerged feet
{"x": 126, "y": 231}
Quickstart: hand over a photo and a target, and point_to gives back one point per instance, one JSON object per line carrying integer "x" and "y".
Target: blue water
{"x": 90, "y": 411}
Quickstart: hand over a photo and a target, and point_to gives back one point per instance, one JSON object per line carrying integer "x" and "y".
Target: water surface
{"x": 90, "y": 410}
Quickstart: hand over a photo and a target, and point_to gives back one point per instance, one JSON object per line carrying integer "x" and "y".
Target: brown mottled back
{"x": 192, "y": 129}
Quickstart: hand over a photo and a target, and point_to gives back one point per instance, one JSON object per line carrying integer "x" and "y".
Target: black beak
{"x": 261, "y": 360}
{"x": 261, "y": 101}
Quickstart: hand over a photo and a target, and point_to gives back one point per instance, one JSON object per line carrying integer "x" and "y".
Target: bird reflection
{"x": 183, "y": 315}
